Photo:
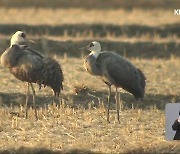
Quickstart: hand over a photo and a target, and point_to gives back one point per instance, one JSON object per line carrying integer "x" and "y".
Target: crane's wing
{"x": 32, "y": 51}
{"x": 122, "y": 73}
{"x": 10, "y": 56}
{"x": 53, "y": 75}
{"x": 29, "y": 67}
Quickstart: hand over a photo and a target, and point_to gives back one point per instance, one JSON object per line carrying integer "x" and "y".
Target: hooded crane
{"x": 31, "y": 66}
{"x": 114, "y": 70}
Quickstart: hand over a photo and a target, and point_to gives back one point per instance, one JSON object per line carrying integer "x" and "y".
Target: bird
{"x": 113, "y": 69}
{"x": 31, "y": 66}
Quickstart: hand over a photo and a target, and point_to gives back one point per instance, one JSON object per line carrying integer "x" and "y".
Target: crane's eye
{"x": 91, "y": 45}
{"x": 23, "y": 35}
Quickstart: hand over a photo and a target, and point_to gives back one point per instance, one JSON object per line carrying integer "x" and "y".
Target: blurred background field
{"x": 145, "y": 32}
{"x": 100, "y": 4}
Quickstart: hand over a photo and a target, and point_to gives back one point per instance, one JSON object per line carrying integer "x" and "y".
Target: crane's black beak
{"x": 31, "y": 41}
{"x": 84, "y": 48}
{"x": 23, "y": 35}
{"x": 179, "y": 112}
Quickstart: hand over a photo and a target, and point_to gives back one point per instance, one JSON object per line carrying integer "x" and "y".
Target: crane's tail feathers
{"x": 53, "y": 75}
{"x": 142, "y": 85}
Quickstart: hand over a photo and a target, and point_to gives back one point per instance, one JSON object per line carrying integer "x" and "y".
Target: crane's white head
{"x": 18, "y": 38}
{"x": 94, "y": 47}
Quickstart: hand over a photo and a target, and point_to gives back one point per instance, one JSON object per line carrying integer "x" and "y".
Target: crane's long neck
{"x": 92, "y": 65}
{"x": 14, "y": 42}
{"x": 95, "y": 54}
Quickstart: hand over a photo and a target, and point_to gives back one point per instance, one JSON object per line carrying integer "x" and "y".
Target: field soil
{"x": 76, "y": 122}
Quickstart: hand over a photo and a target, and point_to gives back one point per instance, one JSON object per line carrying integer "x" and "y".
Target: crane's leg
{"x": 109, "y": 99}
{"x": 27, "y": 99}
{"x": 34, "y": 103}
{"x": 117, "y": 104}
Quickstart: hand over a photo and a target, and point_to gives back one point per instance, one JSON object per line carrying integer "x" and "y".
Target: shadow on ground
{"x": 95, "y": 98}
{"x": 90, "y": 4}
{"x": 26, "y": 150}
{"x": 146, "y": 50}
{"x": 168, "y": 147}
{"x": 93, "y": 30}
{"x": 16, "y": 99}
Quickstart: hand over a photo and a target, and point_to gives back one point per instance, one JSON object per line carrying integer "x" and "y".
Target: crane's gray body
{"x": 31, "y": 66}
{"x": 116, "y": 70}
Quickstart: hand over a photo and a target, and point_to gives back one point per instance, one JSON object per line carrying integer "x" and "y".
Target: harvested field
{"x": 149, "y": 38}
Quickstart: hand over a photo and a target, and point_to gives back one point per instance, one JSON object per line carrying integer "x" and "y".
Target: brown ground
{"x": 79, "y": 125}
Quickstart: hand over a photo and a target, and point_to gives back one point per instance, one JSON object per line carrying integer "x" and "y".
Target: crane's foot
{"x": 118, "y": 121}
{"x": 117, "y": 105}
{"x": 36, "y": 116}
{"x": 34, "y": 102}
{"x": 27, "y": 99}
{"x": 108, "y": 121}
{"x": 109, "y": 100}
{"x": 26, "y": 114}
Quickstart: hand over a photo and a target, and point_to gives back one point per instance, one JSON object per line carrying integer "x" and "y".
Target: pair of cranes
{"x": 31, "y": 66}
